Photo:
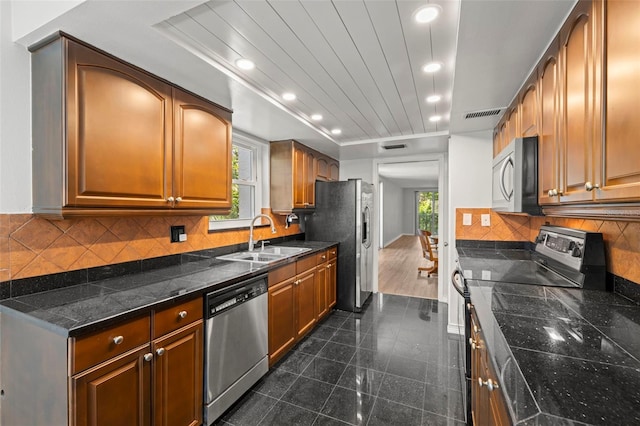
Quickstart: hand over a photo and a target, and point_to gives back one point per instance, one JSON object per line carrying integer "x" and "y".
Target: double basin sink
{"x": 264, "y": 256}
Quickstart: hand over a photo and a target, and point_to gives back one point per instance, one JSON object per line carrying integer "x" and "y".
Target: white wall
{"x": 470, "y": 159}
{"x": 393, "y": 216}
{"x": 15, "y": 120}
{"x": 353, "y": 169}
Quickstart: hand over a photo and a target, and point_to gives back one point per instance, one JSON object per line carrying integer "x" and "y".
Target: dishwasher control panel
{"x": 222, "y": 300}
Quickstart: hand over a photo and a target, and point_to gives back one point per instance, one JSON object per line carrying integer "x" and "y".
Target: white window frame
{"x": 260, "y": 184}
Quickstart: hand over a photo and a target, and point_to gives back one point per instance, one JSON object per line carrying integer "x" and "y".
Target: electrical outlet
{"x": 178, "y": 234}
{"x": 466, "y": 219}
{"x": 485, "y": 219}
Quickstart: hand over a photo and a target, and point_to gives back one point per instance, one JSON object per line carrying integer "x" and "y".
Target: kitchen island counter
{"x": 563, "y": 356}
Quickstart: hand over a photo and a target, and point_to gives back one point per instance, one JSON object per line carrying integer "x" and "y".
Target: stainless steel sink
{"x": 287, "y": 251}
{"x": 266, "y": 256}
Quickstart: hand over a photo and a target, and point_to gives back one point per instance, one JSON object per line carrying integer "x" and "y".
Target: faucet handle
{"x": 263, "y": 243}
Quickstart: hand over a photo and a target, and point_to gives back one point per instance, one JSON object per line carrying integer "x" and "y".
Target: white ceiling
{"x": 358, "y": 63}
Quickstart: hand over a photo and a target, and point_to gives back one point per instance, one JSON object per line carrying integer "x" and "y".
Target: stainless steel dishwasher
{"x": 236, "y": 346}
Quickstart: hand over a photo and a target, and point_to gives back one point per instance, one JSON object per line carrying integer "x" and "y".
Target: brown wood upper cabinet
{"x": 110, "y": 138}
{"x": 617, "y": 170}
{"x": 294, "y": 171}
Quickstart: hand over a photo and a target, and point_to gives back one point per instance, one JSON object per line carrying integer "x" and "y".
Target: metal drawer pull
{"x": 170, "y": 200}
{"x": 328, "y": 266}
{"x": 590, "y": 187}
{"x": 160, "y": 351}
{"x": 490, "y": 384}
{"x": 118, "y": 340}
{"x": 148, "y": 357}
{"x": 182, "y": 314}
{"x": 178, "y": 199}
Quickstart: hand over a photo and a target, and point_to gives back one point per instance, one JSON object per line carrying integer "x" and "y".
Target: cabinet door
{"x": 619, "y": 175}
{"x": 299, "y": 177}
{"x": 334, "y": 171}
{"x": 310, "y": 180}
{"x": 321, "y": 291}
{"x": 322, "y": 166}
{"x": 117, "y": 392}
{"x": 202, "y": 154}
{"x": 513, "y": 128}
{"x": 529, "y": 109}
{"x": 577, "y": 111}
{"x": 331, "y": 282}
{"x": 305, "y": 302}
{"x": 548, "y": 152}
{"x": 118, "y": 131}
{"x": 178, "y": 377}
{"x": 282, "y": 330}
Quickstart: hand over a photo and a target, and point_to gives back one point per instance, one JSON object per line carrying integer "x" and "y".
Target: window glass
{"x": 245, "y": 190}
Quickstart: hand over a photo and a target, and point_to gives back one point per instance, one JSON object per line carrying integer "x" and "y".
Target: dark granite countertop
{"x": 565, "y": 356}
{"x": 80, "y": 309}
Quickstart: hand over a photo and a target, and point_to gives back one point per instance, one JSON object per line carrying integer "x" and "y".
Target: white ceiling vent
{"x": 397, "y": 146}
{"x": 483, "y": 113}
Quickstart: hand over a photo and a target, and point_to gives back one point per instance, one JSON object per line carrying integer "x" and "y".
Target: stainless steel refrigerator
{"x": 344, "y": 213}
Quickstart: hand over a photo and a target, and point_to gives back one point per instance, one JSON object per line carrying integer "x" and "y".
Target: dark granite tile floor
{"x": 392, "y": 364}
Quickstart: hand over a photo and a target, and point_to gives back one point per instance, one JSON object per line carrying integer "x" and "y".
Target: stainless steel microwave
{"x": 515, "y": 178}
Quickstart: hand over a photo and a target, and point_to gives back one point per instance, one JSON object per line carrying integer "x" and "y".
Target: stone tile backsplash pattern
{"x": 31, "y": 246}
{"x": 622, "y": 239}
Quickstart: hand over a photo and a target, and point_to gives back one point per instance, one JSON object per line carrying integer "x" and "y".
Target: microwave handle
{"x": 503, "y": 170}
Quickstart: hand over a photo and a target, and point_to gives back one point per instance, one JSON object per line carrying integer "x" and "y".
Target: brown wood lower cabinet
{"x": 300, "y": 294}
{"x": 159, "y": 382}
{"x": 115, "y": 392}
{"x": 488, "y": 406}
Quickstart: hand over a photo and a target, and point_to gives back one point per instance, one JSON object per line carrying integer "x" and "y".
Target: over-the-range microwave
{"x": 515, "y": 178}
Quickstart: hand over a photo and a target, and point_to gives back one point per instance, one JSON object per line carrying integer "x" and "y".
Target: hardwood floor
{"x": 398, "y": 270}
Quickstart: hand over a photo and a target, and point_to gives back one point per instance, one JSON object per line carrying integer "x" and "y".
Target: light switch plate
{"x": 485, "y": 219}
{"x": 466, "y": 219}
{"x": 486, "y": 275}
{"x": 182, "y": 238}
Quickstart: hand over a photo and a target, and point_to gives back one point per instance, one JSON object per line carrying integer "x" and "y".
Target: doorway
{"x": 427, "y": 205}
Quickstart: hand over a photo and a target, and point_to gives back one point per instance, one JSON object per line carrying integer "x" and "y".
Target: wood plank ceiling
{"x": 357, "y": 63}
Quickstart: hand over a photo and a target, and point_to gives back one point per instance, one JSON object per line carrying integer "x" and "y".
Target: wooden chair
{"x": 428, "y": 254}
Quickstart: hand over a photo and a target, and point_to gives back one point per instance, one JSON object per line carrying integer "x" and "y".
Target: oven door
{"x": 459, "y": 284}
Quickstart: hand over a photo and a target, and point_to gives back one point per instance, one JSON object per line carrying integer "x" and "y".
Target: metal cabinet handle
{"x": 490, "y": 384}
{"x": 118, "y": 340}
{"x": 475, "y": 328}
{"x": 552, "y": 192}
{"x": 182, "y": 314}
{"x": 590, "y": 187}
{"x": 324, "y": 257}
{"x": 178, "y": 199}
{"x": 160, "y": 351}
{"x": 328, "y": 266}
{"x": 170, "y": 200}
{"x": 148, "y": 357}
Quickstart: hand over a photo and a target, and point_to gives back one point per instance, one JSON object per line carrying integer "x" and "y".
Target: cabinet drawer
{"x": 177, "y": 316}
{"x": 322, "y": 257}
{"x": 90, "y": 350}
{"x": 282, "y": 273}
{"x": 332, "y": 253}
{"x": 305, "y": 264}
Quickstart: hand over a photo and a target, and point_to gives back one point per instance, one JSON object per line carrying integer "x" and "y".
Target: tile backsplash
{"x": 622, "y": 239}
{"x": 31, "y": 246}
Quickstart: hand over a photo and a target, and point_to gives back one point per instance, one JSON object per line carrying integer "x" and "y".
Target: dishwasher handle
{"x": 224, "y": 299}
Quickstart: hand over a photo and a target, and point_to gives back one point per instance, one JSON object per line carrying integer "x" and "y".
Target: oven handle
{"x": 503, "y": 170}
{"x": 454, "y": 282}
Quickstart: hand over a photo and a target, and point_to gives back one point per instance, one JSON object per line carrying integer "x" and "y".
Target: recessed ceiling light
{"x": 316, "y": 117}
{"x": 336, "y": 131}
{"x": 435, "y": 118}
{"x": 432, "y": 67}
{"x": 427, "y": 13}
{"x": 433, "y": 99}
{"x": 288, "y": 96}
{"x": 245, "y": 64}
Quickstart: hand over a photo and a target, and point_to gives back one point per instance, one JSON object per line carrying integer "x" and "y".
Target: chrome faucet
{"x": 273, "y": 229}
